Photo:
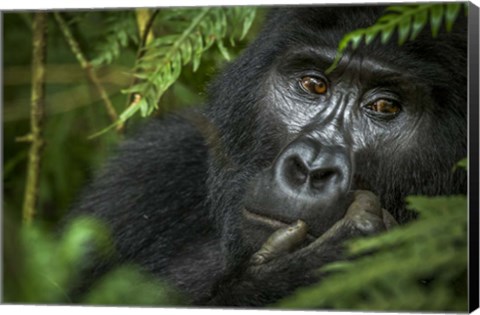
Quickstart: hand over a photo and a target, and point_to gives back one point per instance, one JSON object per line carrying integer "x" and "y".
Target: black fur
{"x": 173, "y": 194}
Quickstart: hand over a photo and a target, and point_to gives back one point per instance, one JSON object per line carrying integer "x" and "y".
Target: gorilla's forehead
{"x": 348, "y": 17}
{"x": 320, "y": 24}
{"x": 382, "y": 66}
{"x": 319, "y": 56}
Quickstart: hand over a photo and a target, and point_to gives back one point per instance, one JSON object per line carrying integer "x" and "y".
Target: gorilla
{"x": 240, "y": 202}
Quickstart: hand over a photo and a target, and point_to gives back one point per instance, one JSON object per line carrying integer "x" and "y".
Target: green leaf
{"x": 399, "y": 8}
{"x": 356, "y": 38}
{"x": 137, "y": 87}
{"x": 335, "y": 62}
{"x": 436, "y": 16}
{"x": 197, "y": 54}
{"x": 176, "y": 69}
{"x": 143, "y": 107}
{"x": 341, "y": 48}
{"x": 404, "y": 29}
{"x": 387, "y": 32}
{"x": 451, "y": 13}
{"x": 370, "y": 34}
{"x": 223, "y": 50}
{"x": 164, "y": 40}
{"x": 186, "y": 51}
{"x": 247, "y": 22}
{"x": 419, "y": 22}
{"x": 221, "y": 23}
{"x": 344, "y": 42}
{"x": 387, "y": 19}
{"x": 463, "y": 163}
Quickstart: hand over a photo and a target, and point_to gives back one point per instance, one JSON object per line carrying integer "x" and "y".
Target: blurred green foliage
{"x": 46, "y": 269}
{"x": 128, "y": 286}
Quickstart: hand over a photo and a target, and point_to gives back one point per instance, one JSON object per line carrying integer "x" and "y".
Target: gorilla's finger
{"x": 281, "y": 241}
{"x": 388, "y": 219}
{"x": 365, "y": 201}
{"x": 331, "y": 233}
{"x": 364, "y": 214}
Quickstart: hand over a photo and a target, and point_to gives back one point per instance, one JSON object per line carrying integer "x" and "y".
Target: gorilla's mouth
{"x": 269, "y": 221}
{"x": 274, "y": 223}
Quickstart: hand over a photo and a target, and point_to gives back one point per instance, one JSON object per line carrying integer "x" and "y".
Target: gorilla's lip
{"x": 274, "y": 223}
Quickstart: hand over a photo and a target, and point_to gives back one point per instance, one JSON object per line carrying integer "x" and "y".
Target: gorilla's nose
{"x": 306, "y": 167}
{"x": 309, "y": 181}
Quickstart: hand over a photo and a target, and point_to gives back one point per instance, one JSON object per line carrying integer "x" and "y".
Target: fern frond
{"x": 165, "y": 56}
{"x": 408, "y": 20}
{"x": 120, "y": 30}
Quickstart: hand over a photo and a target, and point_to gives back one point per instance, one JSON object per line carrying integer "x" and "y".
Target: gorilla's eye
{"x": 384, "y": 106}
{"x": 314, "y": 85}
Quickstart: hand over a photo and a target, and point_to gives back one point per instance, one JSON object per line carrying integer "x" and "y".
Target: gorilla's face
{"x": 338, "y": 130}
{"x": 384, "y": 120}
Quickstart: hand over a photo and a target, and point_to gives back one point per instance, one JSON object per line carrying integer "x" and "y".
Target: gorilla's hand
{"x": 281, "y": 266}
{"x": 364, "y": 217}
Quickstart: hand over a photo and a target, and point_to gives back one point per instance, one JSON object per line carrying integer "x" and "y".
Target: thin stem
{"x": 144, "y": 19}
{"x": 85, "y": 64}
{"x": 37, "y": 114}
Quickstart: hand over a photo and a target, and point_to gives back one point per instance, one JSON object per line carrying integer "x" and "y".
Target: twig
{"x": 37, "y": 112}
{"x": 146, "y": 35}
{"x": 85, "y": 64}
{"x": 144, "y": 23}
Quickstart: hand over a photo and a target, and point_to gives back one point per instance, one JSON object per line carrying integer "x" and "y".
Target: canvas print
{"x": 284, "y": 157}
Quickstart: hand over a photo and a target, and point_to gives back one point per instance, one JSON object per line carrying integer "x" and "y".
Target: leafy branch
{"x": 409, "y": 20}
{"x": 161, "y": 64}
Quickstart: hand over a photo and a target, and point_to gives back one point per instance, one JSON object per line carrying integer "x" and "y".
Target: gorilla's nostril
{"x": 319, "y": 177}
{"x": 298, "y": 171}
{"x": 322, "y": 175}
